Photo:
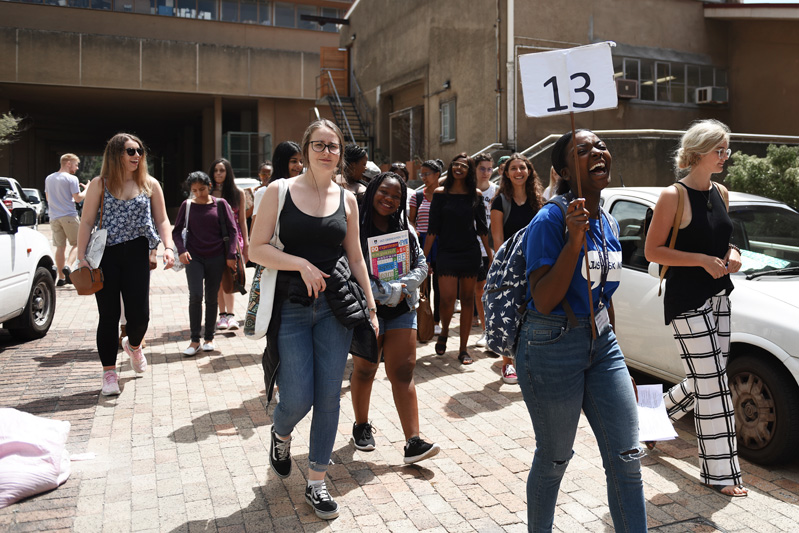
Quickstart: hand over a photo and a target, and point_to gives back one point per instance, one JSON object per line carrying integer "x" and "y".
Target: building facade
{"x": 442, "y": 76}
{"x": 195, "y": 79}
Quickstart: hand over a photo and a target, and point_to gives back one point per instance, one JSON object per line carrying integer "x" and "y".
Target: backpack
{"x": 506, "y": 292}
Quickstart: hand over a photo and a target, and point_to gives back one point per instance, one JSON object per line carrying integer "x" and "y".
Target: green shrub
{"x": 774, "y": 176}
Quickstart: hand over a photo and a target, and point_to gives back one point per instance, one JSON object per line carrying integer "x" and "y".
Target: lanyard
{"x": 604, "y": 257}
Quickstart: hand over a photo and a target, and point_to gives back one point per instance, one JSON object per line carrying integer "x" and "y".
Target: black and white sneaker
{"x": 323, "y": 505}
{"x": 417, "y": 450}
{"x": 280, "y": 455}
{"x": 363, "y": 436}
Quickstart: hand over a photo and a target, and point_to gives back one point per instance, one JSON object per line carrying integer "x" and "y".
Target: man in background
{"x": 63, "y": 191}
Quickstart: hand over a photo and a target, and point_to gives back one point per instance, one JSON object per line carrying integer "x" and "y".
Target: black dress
{"x": 456, "y": 221}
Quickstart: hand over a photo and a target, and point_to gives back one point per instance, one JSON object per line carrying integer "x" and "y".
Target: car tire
{"x": 766, "y": 400}
{"x": 36, "y": 318}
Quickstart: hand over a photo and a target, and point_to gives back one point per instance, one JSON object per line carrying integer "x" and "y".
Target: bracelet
{"x": 735, "y": 247}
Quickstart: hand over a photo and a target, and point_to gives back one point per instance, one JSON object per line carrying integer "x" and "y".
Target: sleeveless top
{"x": 126, "y": 220}
{"x": 708, "y": 233}
{"x": 317, "y": 239}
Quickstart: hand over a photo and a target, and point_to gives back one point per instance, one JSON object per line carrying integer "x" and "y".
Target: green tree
{"x": 774, "y": 176}
{"x": 9, "y": 128}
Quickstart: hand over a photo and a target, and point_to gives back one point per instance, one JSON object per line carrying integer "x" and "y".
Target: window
{"x": 306, "y": 24}
{"x": 631, "y": 217}
{"x": 447, "y": 110}
{"x": 230, "y": 10}
{"x": 284, "y": 15}
{"x": 332, "y": 13}
{"x": 668, "y": 81}
{"x": 264, "y": 13}
{"x": 187, "y": 8}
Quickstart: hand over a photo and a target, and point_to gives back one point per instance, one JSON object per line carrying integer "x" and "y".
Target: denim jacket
{"x": 390, "y": 293}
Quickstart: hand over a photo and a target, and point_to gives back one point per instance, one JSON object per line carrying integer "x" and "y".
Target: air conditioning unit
{"x": 627, "y": 88}
{"x": 711, "y": 95}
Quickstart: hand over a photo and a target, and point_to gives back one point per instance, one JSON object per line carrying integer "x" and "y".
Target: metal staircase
{"x": 351, "y": 114}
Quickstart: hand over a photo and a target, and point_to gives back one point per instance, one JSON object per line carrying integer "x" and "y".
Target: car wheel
{"x": 766, "y": 400}
{"x": 35, "y": 320}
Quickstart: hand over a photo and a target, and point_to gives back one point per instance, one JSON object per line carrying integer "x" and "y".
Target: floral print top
{"x": 126, "y": 220}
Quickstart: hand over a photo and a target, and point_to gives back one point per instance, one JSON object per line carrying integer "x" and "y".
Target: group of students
{"x": 328, "y": 302}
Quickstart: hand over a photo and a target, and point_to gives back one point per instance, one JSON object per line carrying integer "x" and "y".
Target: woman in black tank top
{"x": 696, "y": 302}
{"x": 318, "y": 224}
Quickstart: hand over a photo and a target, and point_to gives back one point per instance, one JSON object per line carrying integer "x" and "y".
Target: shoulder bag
{"x": 88, "y": 280}
{"x": 233, "y": 279}
{"x": 184, "y": 234}
{"x": 262, "y": 291}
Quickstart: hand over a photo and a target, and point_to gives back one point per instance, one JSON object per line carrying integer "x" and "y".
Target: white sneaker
{"x": 208, "y": 347}
{"x": 437, "y": 330}
{"x": 137, "y": 359}
{"x": 481, "y": 342}
{"x": 457, "y": 306}
{"x": 110, "y": 383}
{"x": 222, "y": 322}
{"x": 191, "y": 350}
{"x": 232, "y": 323}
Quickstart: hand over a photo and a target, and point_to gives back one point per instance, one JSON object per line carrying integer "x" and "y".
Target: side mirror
{"x": 24, "y": 216}
{"x": 654, "y": 270}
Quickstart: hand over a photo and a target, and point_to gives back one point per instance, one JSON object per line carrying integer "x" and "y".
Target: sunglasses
{"x": 319, "y": 146}
{"x": 133, "y": 151}
{"x": 458, "y": 164}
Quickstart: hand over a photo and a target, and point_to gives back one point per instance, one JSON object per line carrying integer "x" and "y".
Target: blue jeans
{"x": 313, "y": 348}
{"x": 562, "y": 371}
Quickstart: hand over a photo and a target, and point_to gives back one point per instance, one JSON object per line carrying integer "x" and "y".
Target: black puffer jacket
{"x": 346, "y": 299}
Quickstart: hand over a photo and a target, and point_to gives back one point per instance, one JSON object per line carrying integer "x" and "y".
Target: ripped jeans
{"x": 561, "y": 372}
{"x": 313, "y": 349}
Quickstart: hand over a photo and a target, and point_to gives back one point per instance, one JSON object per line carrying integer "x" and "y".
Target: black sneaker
{"x": 67, "y": 271}
{"x": 323, "y": 505}
{"x": 362, "y": 436}
{"x": 280, "y": 455}
{"x": 417, "y": 449}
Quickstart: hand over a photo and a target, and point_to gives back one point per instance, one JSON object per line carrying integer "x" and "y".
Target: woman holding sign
{"x": 697, "y": 300}
{"x": 457, "y": 218}
{"x": 397, "y": 300}
{"x": 566, "y": 363}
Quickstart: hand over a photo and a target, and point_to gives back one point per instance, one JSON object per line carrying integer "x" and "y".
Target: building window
{"x": 668, "y": 82}
{"x": 447, "y": 110}
{"x": 284, "y": 15}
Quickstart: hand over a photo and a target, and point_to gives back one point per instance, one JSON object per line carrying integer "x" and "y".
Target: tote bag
{"x": 425, "y": 325}
{"x": 262, "y": 291}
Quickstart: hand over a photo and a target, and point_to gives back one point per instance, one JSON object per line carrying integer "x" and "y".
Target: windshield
{"x": 767, "y": 235}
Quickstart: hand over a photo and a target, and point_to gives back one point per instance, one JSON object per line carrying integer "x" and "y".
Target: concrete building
{"x": 195, "y": 79}
{"x": 442, "y": 76}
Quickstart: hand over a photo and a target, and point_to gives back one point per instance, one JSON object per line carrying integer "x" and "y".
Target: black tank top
{"x": 317, "y": 239}
{"x": 708, "y": 233}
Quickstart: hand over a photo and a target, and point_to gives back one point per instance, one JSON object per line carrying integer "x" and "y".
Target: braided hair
{"x": 398, "y": 221}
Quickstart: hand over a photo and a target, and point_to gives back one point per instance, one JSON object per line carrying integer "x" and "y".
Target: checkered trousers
{"x": 703, "y": 336}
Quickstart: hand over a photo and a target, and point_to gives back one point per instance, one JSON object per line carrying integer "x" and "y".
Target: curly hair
{"x": 532, "y": 186}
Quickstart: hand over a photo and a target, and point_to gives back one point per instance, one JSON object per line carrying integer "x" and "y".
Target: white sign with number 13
{"x": 572, "y": 80}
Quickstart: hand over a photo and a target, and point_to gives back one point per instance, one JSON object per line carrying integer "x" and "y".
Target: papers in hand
{"x": 96, "y": 247}
{"x": 653, "y": 421}
{"x": 389, "y": 258}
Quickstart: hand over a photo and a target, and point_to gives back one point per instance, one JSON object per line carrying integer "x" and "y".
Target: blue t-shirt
{"x": 59, "y": 187}
{"x": 545, "y": 239}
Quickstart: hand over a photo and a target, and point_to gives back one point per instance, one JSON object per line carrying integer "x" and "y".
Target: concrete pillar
{"x": 208, "y": 137}
{"x": 266, "y": 124}
{"x": 217, "y": 127}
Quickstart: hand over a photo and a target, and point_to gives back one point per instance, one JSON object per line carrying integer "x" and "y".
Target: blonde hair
{"x": 306, "y": 141}
{"x": 69, "y": 157}
{"x": 113, "y": 170}
{"x": 701, "y": 138}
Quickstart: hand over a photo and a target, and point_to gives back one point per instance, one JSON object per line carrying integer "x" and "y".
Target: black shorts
{"x": 482, "y": 273}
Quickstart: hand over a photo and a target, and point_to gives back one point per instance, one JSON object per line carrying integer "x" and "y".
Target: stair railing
{"x": 361, "y": 106}
{"x": 340, "y": 106}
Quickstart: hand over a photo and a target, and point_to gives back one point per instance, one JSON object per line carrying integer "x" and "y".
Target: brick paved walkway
{"x": 185, "y": 447}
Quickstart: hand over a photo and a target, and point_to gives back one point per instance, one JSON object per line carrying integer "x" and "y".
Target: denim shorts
{"x": 404, "y": 321}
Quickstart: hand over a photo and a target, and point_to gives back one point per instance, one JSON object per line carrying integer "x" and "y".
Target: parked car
{"x": 763, "y": 368}
{"x": 27, "y": 275}
{"x": 12, "y": 194}
{"x": 38, "y": 202}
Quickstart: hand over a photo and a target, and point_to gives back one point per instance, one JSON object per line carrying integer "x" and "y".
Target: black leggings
{"x": 126, "y": 271}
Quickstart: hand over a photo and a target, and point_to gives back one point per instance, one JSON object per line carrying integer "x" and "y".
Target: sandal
{"x": 465, "y": 358}
{"x": 719, "y": 489}
{"x": 441, "y": 344}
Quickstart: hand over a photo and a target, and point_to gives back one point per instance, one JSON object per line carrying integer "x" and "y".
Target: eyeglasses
{"x": 319, "y": 146}
{"x": 485, "y": 169}
{"x": 133, "y": 151}
{"x": 424, "y": 175}
{"x": 458, "y": 164}
{"x": 722, "y": 152}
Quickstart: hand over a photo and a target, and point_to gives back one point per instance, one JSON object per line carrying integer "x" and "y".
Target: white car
{"x": 12, "y": 195}
{"x": 763, "y": 368}
{"x": 27, "y": 276}
{"x": 38, "y": 203}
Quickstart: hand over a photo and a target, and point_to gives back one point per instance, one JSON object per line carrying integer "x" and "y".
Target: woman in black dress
{"x": 457, "y": 218}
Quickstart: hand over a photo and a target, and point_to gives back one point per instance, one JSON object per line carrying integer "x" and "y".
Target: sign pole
{"x": 585, "y": 236}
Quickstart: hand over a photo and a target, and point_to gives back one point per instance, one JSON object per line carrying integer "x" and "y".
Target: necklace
{"x": 706, "y": 194}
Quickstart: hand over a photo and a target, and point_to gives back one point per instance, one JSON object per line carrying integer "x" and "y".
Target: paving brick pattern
{"x": 184, "y": 448}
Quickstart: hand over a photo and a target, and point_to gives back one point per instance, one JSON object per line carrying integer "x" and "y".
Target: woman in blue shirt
{"x": 563, "y": 367}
